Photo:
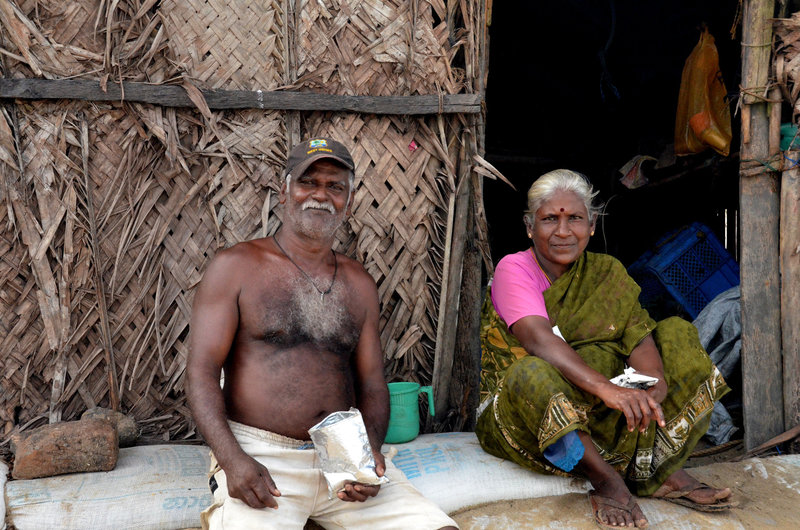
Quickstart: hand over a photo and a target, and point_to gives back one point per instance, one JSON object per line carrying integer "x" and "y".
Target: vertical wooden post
{"x": 762, "y": 391}
{"x": 790, "y": 290}
{"x": 465, "y": 383}
{"x": 450, "y": 297}
{"x": 291, "y": 118}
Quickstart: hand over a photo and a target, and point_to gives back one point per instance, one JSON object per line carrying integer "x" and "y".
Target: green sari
{"x": 531, "y": 405}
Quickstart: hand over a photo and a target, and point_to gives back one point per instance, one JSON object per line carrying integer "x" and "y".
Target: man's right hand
{"x": 251, "y": 483}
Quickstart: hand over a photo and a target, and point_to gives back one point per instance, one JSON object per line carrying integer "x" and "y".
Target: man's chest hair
{"x": 297, "y": 315}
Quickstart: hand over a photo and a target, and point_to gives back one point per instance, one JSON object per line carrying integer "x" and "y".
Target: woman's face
{"x": 560, "y": 232}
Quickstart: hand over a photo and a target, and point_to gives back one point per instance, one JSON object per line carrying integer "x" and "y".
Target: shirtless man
{"x": 295, "y": 328}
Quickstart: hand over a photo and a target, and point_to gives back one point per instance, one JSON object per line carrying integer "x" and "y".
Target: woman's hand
{"x": 638, "y": 406}
{"x": 658, "y": 391}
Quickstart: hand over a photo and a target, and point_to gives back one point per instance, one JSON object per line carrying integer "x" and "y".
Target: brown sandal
{"x": 682, "y": 497}
{"x": 599, "y": 502}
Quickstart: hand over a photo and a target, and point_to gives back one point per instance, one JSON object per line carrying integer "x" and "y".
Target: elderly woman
{"x": 559, "y": 322}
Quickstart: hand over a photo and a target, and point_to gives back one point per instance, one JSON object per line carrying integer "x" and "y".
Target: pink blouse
{"x": 517, "y": 287}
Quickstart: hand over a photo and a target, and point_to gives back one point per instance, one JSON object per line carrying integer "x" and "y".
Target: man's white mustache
{"x": 311, "y": 203}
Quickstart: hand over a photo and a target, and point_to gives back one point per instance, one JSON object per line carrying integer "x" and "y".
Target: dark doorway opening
{"x": 588, "y": 85}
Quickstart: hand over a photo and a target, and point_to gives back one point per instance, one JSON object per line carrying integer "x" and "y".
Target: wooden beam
{"x": 175, "y": 96}
{"x": 762, "y": 388}
{"x": 790, "y": 291}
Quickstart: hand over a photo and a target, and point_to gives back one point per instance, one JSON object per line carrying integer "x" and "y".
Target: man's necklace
{"x": 320, "y": 291}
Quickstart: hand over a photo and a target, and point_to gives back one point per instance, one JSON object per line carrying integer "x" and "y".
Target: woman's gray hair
{"x": 548, "y": 184}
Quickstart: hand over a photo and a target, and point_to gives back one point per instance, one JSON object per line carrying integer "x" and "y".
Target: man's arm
{"x": 215, "y": 320}
{"x": 372, "y": 394}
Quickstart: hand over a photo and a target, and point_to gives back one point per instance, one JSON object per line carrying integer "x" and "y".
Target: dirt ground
{"x": 767, "y": 489}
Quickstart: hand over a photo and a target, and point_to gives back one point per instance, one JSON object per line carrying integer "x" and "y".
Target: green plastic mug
{"x": 404, "y": 411}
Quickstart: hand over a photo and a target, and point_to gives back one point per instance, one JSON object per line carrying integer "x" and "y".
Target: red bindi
{"x": 562, "y": 209}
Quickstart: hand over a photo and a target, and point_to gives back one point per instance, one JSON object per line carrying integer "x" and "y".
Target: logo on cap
{"x": 315, "y": 144}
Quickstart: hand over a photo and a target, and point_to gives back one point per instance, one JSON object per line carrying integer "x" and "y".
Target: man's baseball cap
{"x": 306, "y": 153}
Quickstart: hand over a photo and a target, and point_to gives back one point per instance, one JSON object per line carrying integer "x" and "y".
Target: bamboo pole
{"x": 105, "y": 329}
{"x": 762, "y": 391}
{"x": 450, "y": 297}
{"x": 790, "y": 290}
{"x": 292, "y": 117}
{"x": 465, "y": 383}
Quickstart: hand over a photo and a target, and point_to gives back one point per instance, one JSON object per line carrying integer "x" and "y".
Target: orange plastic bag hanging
{"x": 703, "y": 119}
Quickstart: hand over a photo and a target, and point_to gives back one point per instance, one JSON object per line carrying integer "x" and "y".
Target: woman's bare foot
{"x": 612, "y": 502}
{"x": 613, "y": 505}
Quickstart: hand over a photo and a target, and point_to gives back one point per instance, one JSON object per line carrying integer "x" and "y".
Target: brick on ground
{"x": 89, "y": 444}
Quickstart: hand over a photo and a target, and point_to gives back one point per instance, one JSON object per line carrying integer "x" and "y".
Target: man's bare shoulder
{"x": 245, "y": 251}
{"x": 242, "y": 257}
{"x": 355, "y": 272}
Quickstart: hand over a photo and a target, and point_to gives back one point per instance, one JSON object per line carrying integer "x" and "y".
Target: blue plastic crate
{"x": 689, "y": 265}
{"x": 651, "y": 287}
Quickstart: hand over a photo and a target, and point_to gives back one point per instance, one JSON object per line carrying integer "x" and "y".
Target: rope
{"x": 765, "y": 163}
{"x": 716, "y": 449}
{"x": 792, "y": 160}
{"x": 750, "y": 91}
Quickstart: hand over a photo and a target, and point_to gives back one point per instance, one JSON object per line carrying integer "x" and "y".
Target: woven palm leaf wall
{"x": 787, "y": 60}
{"x": 110, "y": 212}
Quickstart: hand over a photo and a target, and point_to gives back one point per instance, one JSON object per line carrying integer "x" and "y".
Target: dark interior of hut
{"x": 589, "y": 85}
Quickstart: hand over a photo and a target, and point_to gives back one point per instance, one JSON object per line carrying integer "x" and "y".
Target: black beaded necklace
{"x": 320, "y": 291}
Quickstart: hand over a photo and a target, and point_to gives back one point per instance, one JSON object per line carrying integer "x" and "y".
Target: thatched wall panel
{"x": 787, "y": 60}
{"x": 84, "y": 280}
{"x": 228, "y": 44}
{"x": 358, "y": 47}
{"x": 155, "y": 231}
{"x": 17, "y": 313}
{"x": 87, "y": 38}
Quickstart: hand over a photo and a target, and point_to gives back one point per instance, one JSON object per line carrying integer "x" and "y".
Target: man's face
{"x": 317, "y": 202}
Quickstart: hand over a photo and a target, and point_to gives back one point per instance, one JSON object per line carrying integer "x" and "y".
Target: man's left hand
{"x": 357, "y": 492}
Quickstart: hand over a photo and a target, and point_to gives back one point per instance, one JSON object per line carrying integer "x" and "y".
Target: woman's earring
{"x": 592, "y": 233}
{"x": 530, "y": 235}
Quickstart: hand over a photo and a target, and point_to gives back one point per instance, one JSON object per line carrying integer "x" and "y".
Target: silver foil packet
{"x": 630, "y": 378}
{"x": 342, "y": 444}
